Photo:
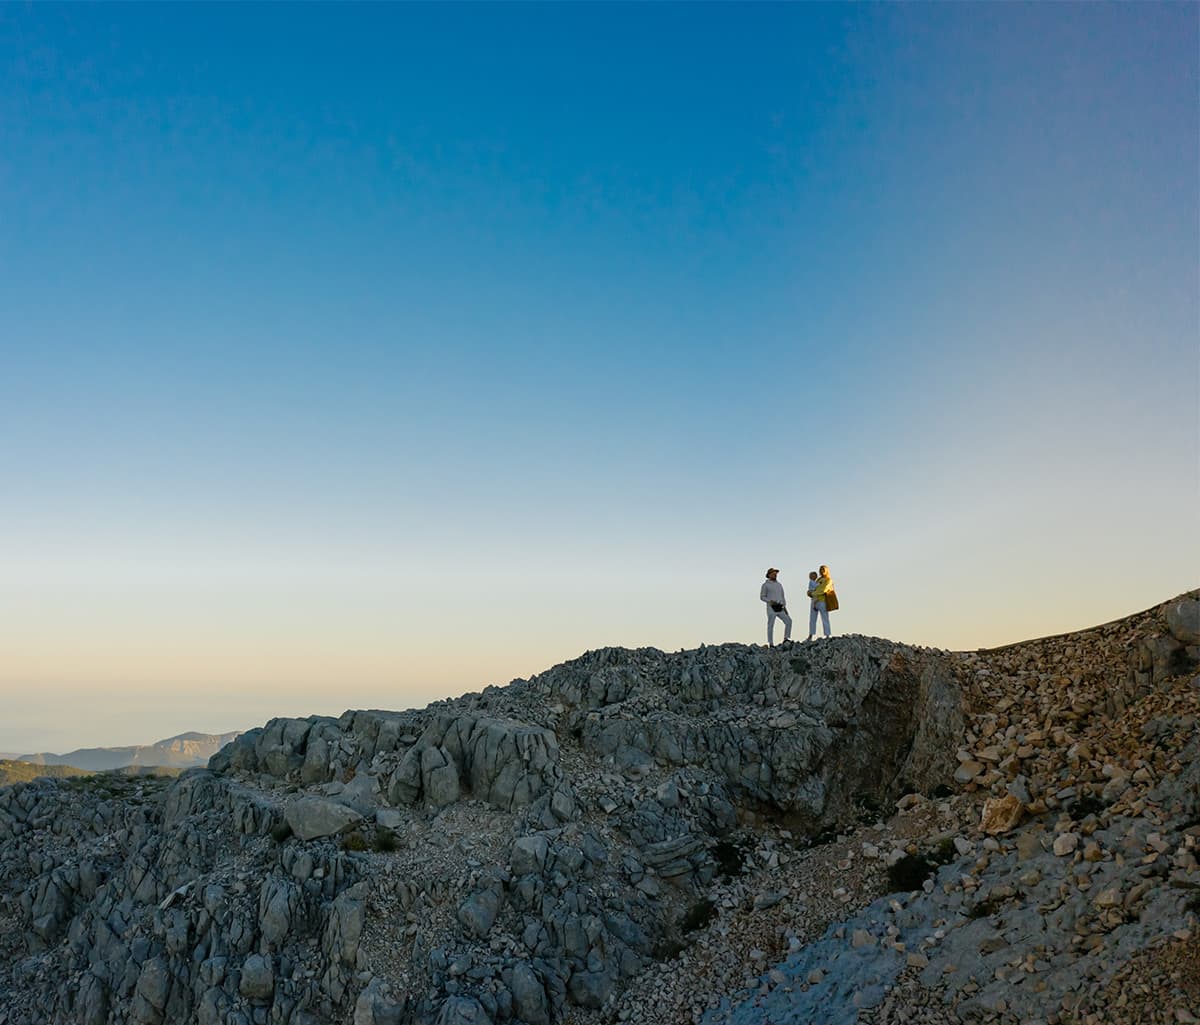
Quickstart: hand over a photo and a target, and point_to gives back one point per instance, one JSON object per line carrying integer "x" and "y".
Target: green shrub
{"x": 730, "y": 856}
{"x": 698, "y": 916}
{"x": 385, "y": 840}
{"x": 667, "y": 949}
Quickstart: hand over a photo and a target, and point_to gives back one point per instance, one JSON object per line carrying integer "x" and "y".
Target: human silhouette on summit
{"x": 771, "y": 592}
{"x": 823, "y": 598}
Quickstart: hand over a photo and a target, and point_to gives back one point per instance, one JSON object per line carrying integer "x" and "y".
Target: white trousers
{"x": 787, "y": 624}
{"x": 818, "y": 606}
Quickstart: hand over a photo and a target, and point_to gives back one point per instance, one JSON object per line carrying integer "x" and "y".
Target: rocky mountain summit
{"x": 853, "y": 830}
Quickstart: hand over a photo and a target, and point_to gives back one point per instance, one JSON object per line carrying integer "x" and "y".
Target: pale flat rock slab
{"x": 314, "y": 817}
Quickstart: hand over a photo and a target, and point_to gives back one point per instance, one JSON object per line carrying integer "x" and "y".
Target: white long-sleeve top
{"x": 772, "y": 590}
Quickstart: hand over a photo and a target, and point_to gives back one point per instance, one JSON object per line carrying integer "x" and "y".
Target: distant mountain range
{"x": 183, "y": 751}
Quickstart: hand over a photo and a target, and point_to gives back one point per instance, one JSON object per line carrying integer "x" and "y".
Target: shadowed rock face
{"x": 804, "y": 734}
{"x": 228, "y": 896}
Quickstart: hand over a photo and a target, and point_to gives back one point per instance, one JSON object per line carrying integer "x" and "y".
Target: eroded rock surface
{"x": 568, "y": 848}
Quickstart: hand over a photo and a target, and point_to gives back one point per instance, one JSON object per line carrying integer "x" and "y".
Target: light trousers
{"x": 818, "y": 606}
{"x": 787, "y": 624}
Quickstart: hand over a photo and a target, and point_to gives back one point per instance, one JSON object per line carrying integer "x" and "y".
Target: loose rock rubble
{"x": 847, "y": 831}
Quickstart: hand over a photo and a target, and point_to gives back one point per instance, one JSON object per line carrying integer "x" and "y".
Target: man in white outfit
{"x": 772, "y": 593}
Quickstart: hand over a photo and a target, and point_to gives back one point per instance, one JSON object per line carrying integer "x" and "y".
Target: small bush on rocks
{"x": 911, "y": 871}
{"x": 730, "y": 856}
{"x": 698, "y": 916}
{"x": 668, "y": 948}
{"x": 1087, "y": 805}
{"x": 1181, "y": 663}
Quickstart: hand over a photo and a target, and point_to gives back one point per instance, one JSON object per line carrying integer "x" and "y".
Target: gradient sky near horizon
{"x": 355, "y": 356}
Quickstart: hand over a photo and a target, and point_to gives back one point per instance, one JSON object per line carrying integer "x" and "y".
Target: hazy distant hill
{"x": 22, "y": 772}
{"x": 12, "y": 771}
{"x": 183, "y": 751}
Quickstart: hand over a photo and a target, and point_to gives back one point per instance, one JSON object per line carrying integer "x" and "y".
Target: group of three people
{"x": 821, "y": 598}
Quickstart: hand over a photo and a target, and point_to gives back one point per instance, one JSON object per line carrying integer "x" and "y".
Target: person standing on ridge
{"x": 771, "y": 592}
{"x": 817, "y": 593}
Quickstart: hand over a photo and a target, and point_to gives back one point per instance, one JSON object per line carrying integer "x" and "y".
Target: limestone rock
{"x": 1001, "y": 814}
{"x": 258, "y": 978}
{"x": 1066, "y": 843}
{"x": 529, "y": 995}
{"x": 1183, "y": 620}
{"x": 514, "y": 882}
{"x": 478, "y": 913}
{"x": 529, "y": 854}
{"x": 313, "y": 817}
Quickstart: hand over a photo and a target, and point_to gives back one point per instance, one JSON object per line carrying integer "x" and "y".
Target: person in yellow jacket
{"x": 817, "y": 594}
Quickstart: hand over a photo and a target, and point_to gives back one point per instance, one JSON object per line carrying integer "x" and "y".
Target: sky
{"x": 358, "y": 356}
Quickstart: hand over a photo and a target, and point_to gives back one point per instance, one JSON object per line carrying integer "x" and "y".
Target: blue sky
{"x": 359, "y": 355}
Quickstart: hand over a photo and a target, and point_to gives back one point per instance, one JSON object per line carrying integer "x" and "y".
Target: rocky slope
{"x": 849, "y": 830}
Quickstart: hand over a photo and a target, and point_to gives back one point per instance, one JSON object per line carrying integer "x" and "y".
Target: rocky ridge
{"x": 853, "y": 830}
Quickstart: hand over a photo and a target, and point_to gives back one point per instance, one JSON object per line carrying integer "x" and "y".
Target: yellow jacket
{"x": 823, "y": 584}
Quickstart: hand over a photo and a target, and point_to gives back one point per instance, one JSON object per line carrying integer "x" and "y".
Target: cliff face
{"x": 558, "y": 849}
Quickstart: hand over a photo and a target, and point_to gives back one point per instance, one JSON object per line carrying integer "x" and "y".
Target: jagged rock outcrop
{"x": 804, "y": 735}
{"x": 531, "y": 853}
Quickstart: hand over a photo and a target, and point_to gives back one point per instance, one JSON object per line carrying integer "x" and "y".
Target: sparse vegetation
{"x": 911, "y": 871}
{"x": 867, "y": 808}
{"x": 22, "y": 772}
{"x": 985, "y": 908}
{"x": 730, "y": 856}
{"x": 698, "y": 916}
{"x": 1182, "y": 663}
{"x": 385, "y": 840}
{"x": 354, "y": 841}
{"x": 668, "y": 948}
{"x": 1088, "y": 804}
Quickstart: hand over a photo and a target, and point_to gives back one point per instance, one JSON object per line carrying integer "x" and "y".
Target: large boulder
{"x": 1183, "y": 620}
{"x": 258, "y": 978}
{"x": 314, "y": 817}
{"x": 529, "y": 995}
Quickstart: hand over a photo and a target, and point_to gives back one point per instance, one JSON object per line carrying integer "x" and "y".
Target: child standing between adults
{"x": 771, "y": 592}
